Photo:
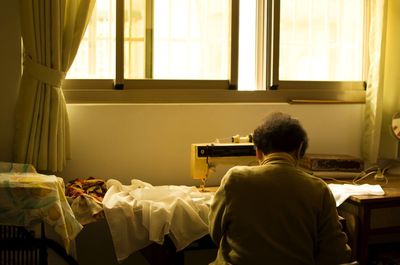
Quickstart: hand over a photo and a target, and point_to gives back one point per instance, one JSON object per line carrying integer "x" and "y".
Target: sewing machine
{"x": 205, "y": 157}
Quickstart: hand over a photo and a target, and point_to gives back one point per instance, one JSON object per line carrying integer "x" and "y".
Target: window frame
{"x": 122, "y": 90}
{"x": 276, "y": 83}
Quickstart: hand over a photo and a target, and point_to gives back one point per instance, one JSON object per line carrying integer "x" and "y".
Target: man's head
{"x": 281, "y": 133}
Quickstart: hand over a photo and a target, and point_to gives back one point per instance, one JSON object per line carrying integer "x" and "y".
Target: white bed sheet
{"x": 140, "y": 214}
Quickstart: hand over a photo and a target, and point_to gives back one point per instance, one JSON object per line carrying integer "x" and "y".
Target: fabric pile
{"x": 139, "y": 214}
{"x": 85, "y": 196}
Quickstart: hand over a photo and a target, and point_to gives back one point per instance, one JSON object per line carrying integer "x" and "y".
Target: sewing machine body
{"x": 205, "y": 157}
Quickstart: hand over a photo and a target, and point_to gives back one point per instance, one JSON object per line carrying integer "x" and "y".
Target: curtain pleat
{"x": 51, "y": 33}
{"x": 373, "y": 106}
{"x": 383, "y": 94}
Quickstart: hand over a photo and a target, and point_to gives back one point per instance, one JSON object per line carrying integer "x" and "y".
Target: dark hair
{"x": 280, "y": 133}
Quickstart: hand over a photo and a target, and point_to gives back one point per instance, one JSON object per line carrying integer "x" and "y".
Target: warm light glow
{"x": 321, "y": 40}
{"x": 247, "y": 45}
{"x": 96, "y": 55}
{"x": 191, "y": 39}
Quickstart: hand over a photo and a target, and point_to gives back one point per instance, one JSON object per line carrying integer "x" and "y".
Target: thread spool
{"x": 245, "y": 139}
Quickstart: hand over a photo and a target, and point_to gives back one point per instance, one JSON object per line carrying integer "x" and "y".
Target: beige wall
{"x": 152, "y": 142}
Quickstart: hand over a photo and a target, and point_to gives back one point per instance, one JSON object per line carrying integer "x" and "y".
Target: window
{"x": 302, "y": 47}
{"x": 96, "y": 54}
{"x": 321, "y": 40}
{"x": 163, "y": 39}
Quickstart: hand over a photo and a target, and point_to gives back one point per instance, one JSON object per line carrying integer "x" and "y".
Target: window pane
{"x": 247, "y": 45}
{"x": 191, "y": 39}
{"x": 321, "y": 40}
{"x": 135, "y": 38}
{"x": 96, "y": 55}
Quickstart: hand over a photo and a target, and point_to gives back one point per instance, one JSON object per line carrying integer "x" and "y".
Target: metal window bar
{"x": 233, "y": 80}
{"x": 149, "y": 38}
{"x": 119, "y": 46}
{"x": 274, "y": 38}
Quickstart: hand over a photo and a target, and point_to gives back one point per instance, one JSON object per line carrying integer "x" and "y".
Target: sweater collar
{"x": 278, "y": 158}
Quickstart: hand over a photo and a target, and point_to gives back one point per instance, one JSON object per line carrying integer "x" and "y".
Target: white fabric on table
{"x": 342, "y": 191}
{"x": 139, "y": 214}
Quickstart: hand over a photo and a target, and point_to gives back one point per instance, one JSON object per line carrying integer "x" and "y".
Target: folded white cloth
{"x": 139, "y": 214}
{"x": 342, "y": 191}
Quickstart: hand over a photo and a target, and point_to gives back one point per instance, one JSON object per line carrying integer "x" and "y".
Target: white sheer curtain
{"x": 383, "y": 93}
{"x": 51, "y": 33}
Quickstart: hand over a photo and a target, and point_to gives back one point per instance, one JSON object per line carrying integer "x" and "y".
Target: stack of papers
{"x": 342, "y": 191}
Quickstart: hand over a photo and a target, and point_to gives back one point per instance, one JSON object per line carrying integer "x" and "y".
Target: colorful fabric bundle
{"x": 90, "y": 186}
{"x": 86, "y": 196}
